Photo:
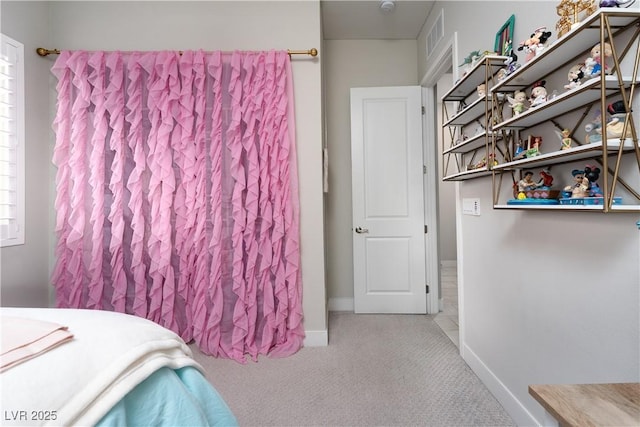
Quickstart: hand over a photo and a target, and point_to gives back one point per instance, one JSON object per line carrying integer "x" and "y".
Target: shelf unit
{"x": 472, "y": 112}
{"x": 619, "y": 159}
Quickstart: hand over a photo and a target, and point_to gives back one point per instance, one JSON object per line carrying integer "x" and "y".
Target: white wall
{"x": 546, "y": 297}
{"x": 215, "y": 25}
{"x": 353, "y": 63}
{"x": 24, "y": 269}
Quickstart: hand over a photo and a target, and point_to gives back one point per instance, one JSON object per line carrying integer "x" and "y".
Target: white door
{"x": 388, "y": 209}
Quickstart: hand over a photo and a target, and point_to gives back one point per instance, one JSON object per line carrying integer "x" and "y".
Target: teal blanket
{"x": 181, "y": 397}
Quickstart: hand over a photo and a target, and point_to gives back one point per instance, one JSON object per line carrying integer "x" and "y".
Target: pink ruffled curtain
{"x": 177, "y": 195}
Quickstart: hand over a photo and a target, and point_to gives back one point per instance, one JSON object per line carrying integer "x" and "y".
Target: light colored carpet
{"x": 378, "y": 370}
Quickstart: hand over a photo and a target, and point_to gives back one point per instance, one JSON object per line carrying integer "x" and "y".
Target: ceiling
{"x": 363, "y": 19}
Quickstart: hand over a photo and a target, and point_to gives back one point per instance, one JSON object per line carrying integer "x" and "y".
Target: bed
{"x": 101, "y": 368}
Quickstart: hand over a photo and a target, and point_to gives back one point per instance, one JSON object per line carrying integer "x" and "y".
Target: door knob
{"x": 361, "y": 230}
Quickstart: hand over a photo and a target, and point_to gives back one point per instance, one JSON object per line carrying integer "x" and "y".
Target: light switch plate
{"x": 471, "y": 207}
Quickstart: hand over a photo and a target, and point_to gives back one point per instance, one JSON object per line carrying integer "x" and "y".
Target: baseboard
{"x": 509, "y": 402}
{"x": 341, "y": 304}
{"x": 316, "y": 339}
{"x": 450, "y": 263}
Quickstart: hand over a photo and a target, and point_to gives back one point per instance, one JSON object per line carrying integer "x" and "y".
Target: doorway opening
{"x": 438, "y": 79}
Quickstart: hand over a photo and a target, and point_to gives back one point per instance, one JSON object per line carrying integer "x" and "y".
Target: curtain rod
{"x": 311, "y": 52}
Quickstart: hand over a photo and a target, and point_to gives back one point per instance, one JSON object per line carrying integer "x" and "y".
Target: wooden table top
{"x": 590, "y": 405}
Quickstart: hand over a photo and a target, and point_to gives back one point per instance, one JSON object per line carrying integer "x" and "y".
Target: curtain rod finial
{"x": 42, "y": 51}
{"x": 313, "y": 52}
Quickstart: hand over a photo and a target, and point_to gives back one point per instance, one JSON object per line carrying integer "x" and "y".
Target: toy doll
{"x": 575, "y": 76}
{"x": 517, "y": 102}
{"x": 538, "y": 94}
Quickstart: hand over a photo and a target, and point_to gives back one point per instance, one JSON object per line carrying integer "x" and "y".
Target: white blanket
{"x": 77, "y": 383}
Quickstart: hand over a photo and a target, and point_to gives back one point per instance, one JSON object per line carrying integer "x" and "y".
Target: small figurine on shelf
{"x": 519, "y": 151}
{"x": 615, "y": 125}
{"x": 615, "y": 128}
{"x": 481, "y": 90}
{"x": 469, "y": 61}
{"x": 534, "y": 146}
{"x": 538, "y": 94}
{"x": 565, "y": 139}
{"x": 616, "y": 3}
{"x": 517, "y": 102}
{"x": 594, "y": 129}
{"x": 536, "y": 43}
{"x": 546, "y": 180}
{"x": 592, "y": 173}
{"x": 597, "y": 63}
{"x": 461, "y": 139}
{"x": 526, "y": 183}
{"x": 575, "y": 76}
{"x": 527, "y": 191}
{"x": 511, "y": 65}
{"x": 580, "y": 188}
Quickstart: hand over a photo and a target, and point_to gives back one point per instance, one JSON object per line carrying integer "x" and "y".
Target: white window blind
{"x": 12, "y": 199}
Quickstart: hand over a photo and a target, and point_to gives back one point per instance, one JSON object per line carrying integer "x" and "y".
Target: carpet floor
{"x": 378, "y": 370}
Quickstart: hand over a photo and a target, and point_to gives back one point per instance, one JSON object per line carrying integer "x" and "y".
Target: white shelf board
{"x": 475, "y": 77}
{"x": 579, "y": 39}
{"x": 594, "y": 149}
{"x": 470, "y": 174}
{"x": 565, "y": 102}
{"x": 471, "y": 112}
{"x": 584, "y": 208}
{"x": 470, "y": 144}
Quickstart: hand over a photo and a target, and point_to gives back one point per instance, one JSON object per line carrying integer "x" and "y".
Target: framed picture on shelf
{"x": 504, "y": 37}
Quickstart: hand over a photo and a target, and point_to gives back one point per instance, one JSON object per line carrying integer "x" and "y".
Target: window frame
{"x": 17, "y": 236}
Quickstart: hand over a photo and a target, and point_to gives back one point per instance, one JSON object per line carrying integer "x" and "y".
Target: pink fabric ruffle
{"x": 177, "y": 194}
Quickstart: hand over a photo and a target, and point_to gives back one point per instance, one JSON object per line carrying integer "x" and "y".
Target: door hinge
{"x": 424, "y": 169}
{"x": 423, "y": 111}
{"x": 427, "y": 288}
{"x": 425, "y": 229}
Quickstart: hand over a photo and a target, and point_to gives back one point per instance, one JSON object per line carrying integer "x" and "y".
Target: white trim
{"x": 500, "y": 391}
{"x": 16, "y": 231}
{"x": 341, "y": 304}
{"x": 316, "y": 338}
{"x": 440, "y": 65}
{"x": 430, "y": 180}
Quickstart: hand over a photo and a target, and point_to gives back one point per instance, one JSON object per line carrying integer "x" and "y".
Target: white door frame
{"x": 439, "y": 66}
